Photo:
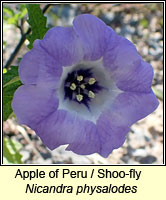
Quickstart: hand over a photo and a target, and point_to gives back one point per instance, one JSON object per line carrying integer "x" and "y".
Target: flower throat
{"x": 80, "y": 86}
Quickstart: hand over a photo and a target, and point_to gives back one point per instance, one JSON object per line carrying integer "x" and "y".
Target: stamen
{"x": 79, "y": 97}
{"x": 91, "y": 81}
{"x": 73, "y": 86}
{"x": 80, "y": 78}
{"x": 91, "y": 94}
{"x": 82, "y": 86}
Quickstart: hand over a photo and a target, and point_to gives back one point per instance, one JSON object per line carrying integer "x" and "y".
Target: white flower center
{"x": 86, "y": 89}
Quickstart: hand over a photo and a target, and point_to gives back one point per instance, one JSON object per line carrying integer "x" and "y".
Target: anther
{"x": 91, "y": 81}
{"x": 82, "y": 86}
{"x": 79, "y": 97}
{"x": 73, "y": 86}
{"x": 80, "y": 78}
{"x": 91, "y": 94}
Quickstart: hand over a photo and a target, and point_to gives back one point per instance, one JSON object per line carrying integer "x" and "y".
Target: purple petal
{"x": 114, "y": 123}
{"x": 38, "y": 67}
{"x": 86, "y": 141}
{"x": 63, "y": 45}
{"x": 93, "y": 34}
{"x": 127, "y": 68}
{"x": 111, "y": 136}
{"x": 35, "y": 104}
{"x": 121, "y": 56}
{"x": 63, "y": 127}
{"x": 32, "y": 104}
{"x": 29, "y": 67}
{"x": 139, "y": 79}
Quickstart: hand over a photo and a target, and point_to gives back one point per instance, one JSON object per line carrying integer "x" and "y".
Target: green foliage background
{"x": 11, "y": 80}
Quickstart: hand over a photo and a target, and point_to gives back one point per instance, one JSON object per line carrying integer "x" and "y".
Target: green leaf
{"x": 16, "y": 78}
{"x": 37, "y": 22}
{"x": 23, "y": 11}
{"x": 8, "y": 75}
{"x": 11, "y": 153}
{"x": 8, "y": 93}
{"x": 13, "y": 17}
{"x": 10, "y": 83}
{"x": 8, "y": 11}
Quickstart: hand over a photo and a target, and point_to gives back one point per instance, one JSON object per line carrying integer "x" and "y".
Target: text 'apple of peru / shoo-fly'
{"x": 83, "y": 86}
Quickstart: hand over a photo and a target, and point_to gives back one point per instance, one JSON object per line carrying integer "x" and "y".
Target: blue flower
{"x": 83, "y": 86}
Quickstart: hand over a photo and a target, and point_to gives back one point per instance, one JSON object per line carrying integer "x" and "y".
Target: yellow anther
{"x": 79, "y": 97}
{"x": 91, "y": 94}
{"x": 73, "y": 86}
{"x": 91, "y": 81}
{"x": 80, "y": 78}
{"x": 82, "y": 86}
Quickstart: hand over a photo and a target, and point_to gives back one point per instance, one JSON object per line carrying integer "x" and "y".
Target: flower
{"x": 83, "y": 86}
